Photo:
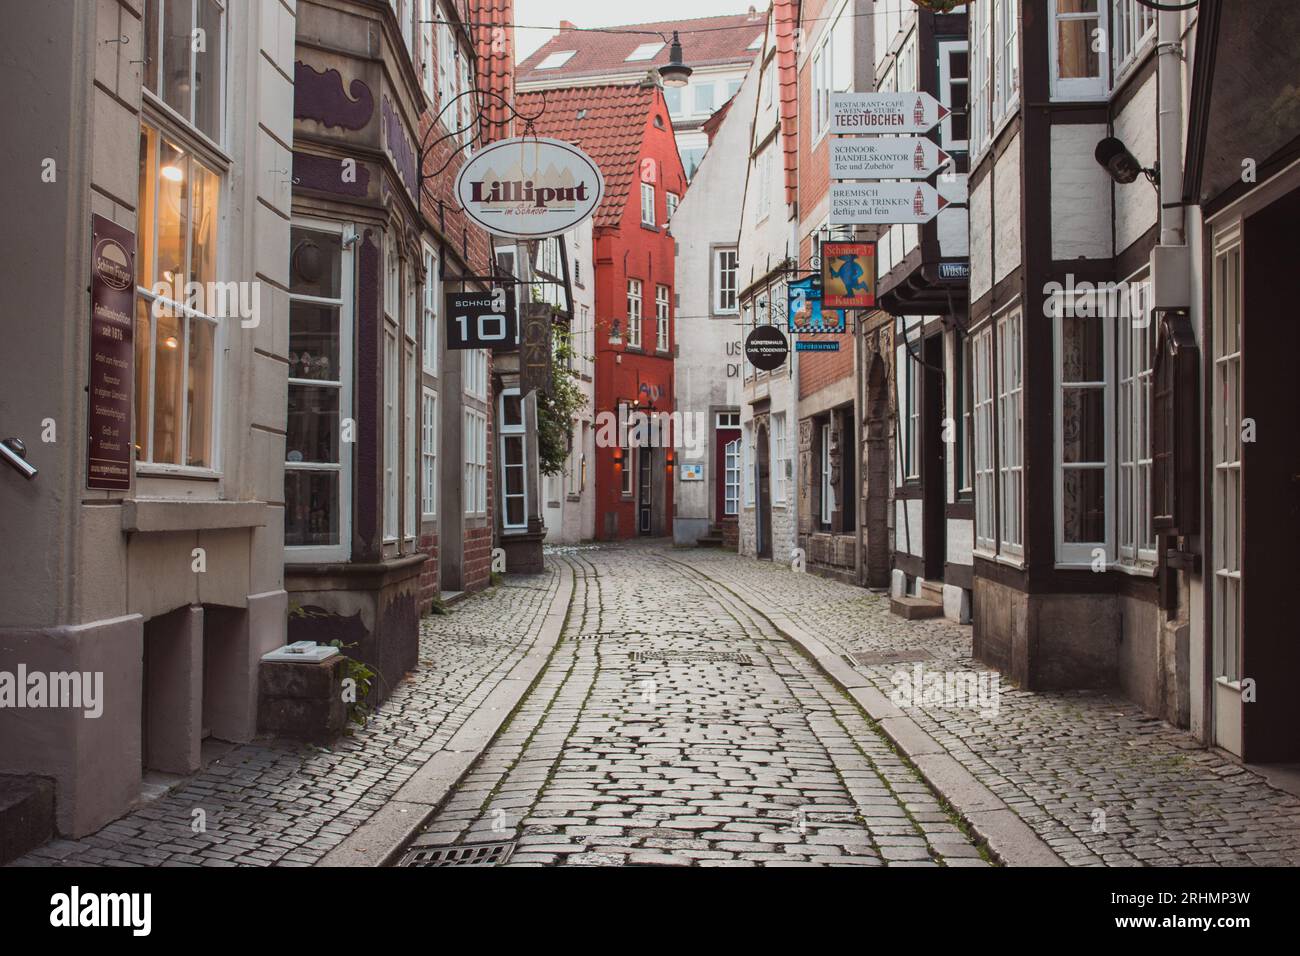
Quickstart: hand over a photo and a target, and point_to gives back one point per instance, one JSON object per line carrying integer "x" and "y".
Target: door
{"x": 762, "y": 482}
{"x": 726, "y": 468}
{"x": 934, "y": 449}
{"x": 645, "y": 491}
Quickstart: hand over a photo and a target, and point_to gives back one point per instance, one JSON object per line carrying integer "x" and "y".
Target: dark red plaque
{"x": 112, "y": 357}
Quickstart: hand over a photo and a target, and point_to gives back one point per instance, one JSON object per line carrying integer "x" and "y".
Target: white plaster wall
{"x": 981, "y": 238}
{"x": 1006, "y": 212}
{"x": 1136, "y": 204}
{"x": 907, "y": 528}
{"x": 961, "y": 541}
{"x": 1081, "y": 194}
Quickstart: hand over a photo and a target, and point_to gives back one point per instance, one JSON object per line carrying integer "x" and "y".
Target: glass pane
{"x": 1085, "y": 504}
{"x": 313, "y": 341}
{"x": 143, "y": 357}
{"x": 315, "y": 263}
{"x": 313, "y": 425}
{"x": 1074, "y": 54}
{"x": 311, "y": 508}
{"x": 1076, "y": 6}
{"x": 203, "y": 254}
{"x": 178, "y": 30}
{"x": 151, "y": 45}
{"x": 202, "y": 348}
{"x": 207, "y": 69}
{"x": 514, "y": 481}
{"x": 514, "y": 511}
{"x": 1083, "y": 425}
{"x": 144, "y": 259}
{"x": 168, "y": 382}
{"x": 513, "y": 411}
{"x": 173, "y": 217}
{"x": 1081, "y": 350}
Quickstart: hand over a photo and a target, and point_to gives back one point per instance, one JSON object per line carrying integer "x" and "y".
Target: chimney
{"x": 567, "y": 25}
{"x": 753, "y": 13}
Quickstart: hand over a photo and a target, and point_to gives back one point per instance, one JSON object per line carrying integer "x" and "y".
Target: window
{"x": 1010, "y": 434}
{"x": 780, "y": 457}
{"x": 1225, "y": 442}
{"x": 428, "y": 68}
{"x": 673, "y": 98}
{"x": 177, "y": 335}
{"x": 646, "y": 51}
{"x": 392, "y": 379}
{"x": 1083, "y": 438}
{"x": 724, "y": 280}
{"x": 431, "y": 301}
{"x": 446, "y": 66}
{"x": 981, "y": 348}
{"x": 405, "y": 20}
{"x": 1006, "y": 55}
{"x": 827, "y": 486}
{"x": 1076, "y": 62}
{"x": 466, "y": 104}
{"x": 576, "y": 471}
{"x": 661, "y": 318}
{"x": 318, "y": 465}
{"x": 185, "y": 44}
{"x": 733, "y": 86}
{"x": 514, "y": 471}
{"x": 475, "y": 490}
{"x": 914, "y": 375}
{"x": 429, "y": 453}
{"x": 747, "y": 433}
{"x": 954, "y": 91}
{"x": 703, "y": 98}
{"x": 821, "y": 92}
{"x": 554, "y": 61}
{"x": 994, "y": 67}
{"x": 628, "y": 467}
{"x": 1135, "y": 354}
{"x": 475, "y": 373}
{"x": 731, "y": 479}
{"x": 832, "y": 70}
{"x": 634, "y": 313}
{"x": 963, "y": 461}
{"x": 981, "y": 74}
{"x": 410, "y": 401}
{"x": 755, "y": 43}
{"x": 673, "y": 200}
{"x": 764, "y": 163}
{"x": 1132, "y": 24}
{"x": 647, "y": 204}
{"x": 691, "y": 158}
{"x": 769, "y": 83}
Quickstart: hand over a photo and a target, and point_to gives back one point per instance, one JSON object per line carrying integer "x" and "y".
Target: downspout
{"x": 1169, "y": 65}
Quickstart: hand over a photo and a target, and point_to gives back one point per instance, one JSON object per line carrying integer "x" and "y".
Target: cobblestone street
{"x": 681, "y": 719}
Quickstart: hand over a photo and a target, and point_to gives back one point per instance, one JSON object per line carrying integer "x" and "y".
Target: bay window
{"x": 392, "y": 371}
{"x": 318, "y": 463}
{"x": 514, "y": 461}
{"x": 1083, "y": 439}
{"x": 177, "y": 334}
{"x": 1132, "y": 24}
{"x": 1010, "y": 411}
{"x": 1074, "y": 41}
{"x": 185, "y": 58}
{"x": 981, "y": 351}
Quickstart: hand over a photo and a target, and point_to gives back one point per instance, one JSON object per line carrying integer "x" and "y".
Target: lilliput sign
{"x": 529, "y": 188}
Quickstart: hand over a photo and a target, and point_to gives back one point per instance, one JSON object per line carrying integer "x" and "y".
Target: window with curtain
{"x": 1076, "y": 60}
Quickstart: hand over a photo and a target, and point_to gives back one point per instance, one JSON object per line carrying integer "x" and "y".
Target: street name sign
{"x": 883, "y": 203}
{"x": 906, "y": 113}
{"x": 902, "y": 157}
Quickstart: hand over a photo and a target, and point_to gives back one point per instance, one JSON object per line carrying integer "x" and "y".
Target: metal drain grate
{"x": 712, "y": 657}
{"x": 468, "y": 854}
{"x": 871, "y": 659}
{"x": 604, "y": 635}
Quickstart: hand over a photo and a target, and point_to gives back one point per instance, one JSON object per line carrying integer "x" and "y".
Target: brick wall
{"x": 429, "y": 573}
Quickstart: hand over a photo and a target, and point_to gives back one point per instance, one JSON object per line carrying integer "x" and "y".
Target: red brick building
{"x": 626, "y": 129}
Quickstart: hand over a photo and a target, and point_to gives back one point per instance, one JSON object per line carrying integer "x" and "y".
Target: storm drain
{"x": 874, "y": 658}
{"x": 466, "y": 854}
{"x": 604, "y": 635}
{"x": 711, "y": 657}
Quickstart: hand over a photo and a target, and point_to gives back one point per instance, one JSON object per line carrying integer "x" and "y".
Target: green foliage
{"x": 358, "y": 710}
{"x": 555, "y": 411}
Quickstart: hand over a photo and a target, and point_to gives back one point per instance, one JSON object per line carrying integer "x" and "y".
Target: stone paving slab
{"x": 1096, "y": 778}
{"x": 278, "y": 804}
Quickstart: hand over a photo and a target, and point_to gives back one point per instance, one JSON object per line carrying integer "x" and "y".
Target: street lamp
{"x": 1121, "y": 165}
{"x": 675, "y": 73}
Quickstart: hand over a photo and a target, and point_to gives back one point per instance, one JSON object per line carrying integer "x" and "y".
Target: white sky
{"x": 605, "y": 13}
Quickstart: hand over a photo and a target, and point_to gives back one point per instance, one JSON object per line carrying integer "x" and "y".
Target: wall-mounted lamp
{"x": 1121, "y": 165}
{"x": 618, "y": 458}
{"x": 668, "y": 460}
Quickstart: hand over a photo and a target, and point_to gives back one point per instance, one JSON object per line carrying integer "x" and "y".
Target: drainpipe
{"x": 1169, "y": 65}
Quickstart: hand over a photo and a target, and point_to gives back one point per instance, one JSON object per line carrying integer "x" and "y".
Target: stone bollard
{"x": 302, "y": 699}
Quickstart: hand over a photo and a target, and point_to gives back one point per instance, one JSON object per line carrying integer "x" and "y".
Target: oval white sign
{"x": 528, "y": 188}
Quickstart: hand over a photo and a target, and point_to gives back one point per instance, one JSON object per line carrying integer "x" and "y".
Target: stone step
{"x": 26, "y": 815}
{"x": 915, "y": 608}
{"x": 932, "y": 590}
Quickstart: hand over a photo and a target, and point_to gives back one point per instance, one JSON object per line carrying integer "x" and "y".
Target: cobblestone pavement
{"x": 674, "y": 726}
{"x": 1099, "y": 780}
{"x": 287, "y": 805}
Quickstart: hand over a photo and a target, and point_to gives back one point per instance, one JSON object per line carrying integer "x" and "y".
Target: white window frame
{"x": 662, "y": 310}
{"x": 1077, "y": 88}
{"x": 648, "y": 205}
{"x": 981, "y": 76}
{"x": 731, "y": 458}
{"x": 1135, "y": 537}
{"x": 410, "y": 400}
{"x": 508, "y": 433}
{"x": 475, "y": 373}
{"x": 912, "y": 396}
{"x": 428, "y": 65}
{"x": 947, "y": 49}
{"x": 780, "y": 451}
{"x": 1226, "y": 283}
{"x": 764, "y": 163}
{"x": 154, "y": 61}
{"x": 432, "y": 300}
{"x": 634, "y": 300}
{"x": 827, "y": 486}
{"x": 475, "y": 451}
{"x": 1133, "y": 31}
{"x": 1006, "y": 56}
{"x": 429, "y": 453}
{"x": 306, "y": 554}
{"x": 1009, "y": 333}
{"x": 749, "y": 463}
{"x": 726, "y": 262}
{"x": 672, "y": 201}
{"x": 985, "y": 472}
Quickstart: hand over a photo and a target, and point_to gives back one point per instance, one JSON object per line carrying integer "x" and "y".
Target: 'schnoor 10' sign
{"x": 529, "y": 188}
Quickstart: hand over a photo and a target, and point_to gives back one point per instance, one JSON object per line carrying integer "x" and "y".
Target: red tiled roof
{"x": 786, "y": 14}
{"x": 494, "y": 47}
{"x": 607, "y": 122}
{"x": 724, "y": 40}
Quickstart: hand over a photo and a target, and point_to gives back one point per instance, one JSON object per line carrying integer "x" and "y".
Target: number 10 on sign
{"x": 482, "y": 320}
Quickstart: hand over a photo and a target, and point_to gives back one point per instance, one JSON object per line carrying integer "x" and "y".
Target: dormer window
{"x": 646, "y": 51}
{"x": 556, "y": 60}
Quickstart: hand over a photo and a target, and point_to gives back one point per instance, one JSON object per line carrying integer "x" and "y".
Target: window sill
{"x": 649, "y": 228}
{"x": 1008, "y": 561}
{"x": 162, "y": 514}
{"x": 145, "y": 470}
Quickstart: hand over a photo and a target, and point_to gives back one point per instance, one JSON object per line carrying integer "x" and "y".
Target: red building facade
{"x": 626, "y": 130}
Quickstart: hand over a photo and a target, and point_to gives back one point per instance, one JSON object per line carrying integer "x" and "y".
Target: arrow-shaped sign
{"x": 903, "y": 157}
{"x": 884, "y": 203}
{"x": 885, "y": 112}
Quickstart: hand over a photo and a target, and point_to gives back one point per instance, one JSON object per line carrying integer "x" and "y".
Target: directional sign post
{"x": 903, "y": 157}
{"x": 904, "y": 113}
{"x": 883, "y": 203}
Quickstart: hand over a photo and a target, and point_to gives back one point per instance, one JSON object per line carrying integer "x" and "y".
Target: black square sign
{"x": 482, "y": 320}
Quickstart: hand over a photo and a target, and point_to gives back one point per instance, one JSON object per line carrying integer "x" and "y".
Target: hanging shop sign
{"x": 848, "y": 275}
{"x": 884, "y": 203}
{"x": 530, "y": 188}
{"x": 804, "y": 312}
{"x": 535, "y": 347}
{"x": 904, "y": 113}
{"x": 817, "y": 345}
{"x": 109, "y": 452}
{"x": 891, "y": 157}
{"x": 482, "y": 320}
{"x": 766, "y": 348}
